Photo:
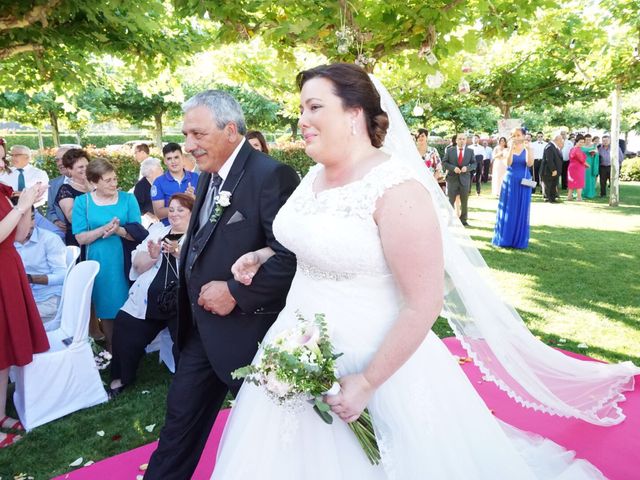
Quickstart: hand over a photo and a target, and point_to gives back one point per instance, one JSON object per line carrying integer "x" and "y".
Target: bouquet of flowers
{"x": 101, "y": 356}
{"x": 298, "y": 366}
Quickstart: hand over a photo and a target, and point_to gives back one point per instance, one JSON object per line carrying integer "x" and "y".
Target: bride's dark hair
{"x": 356, "y": 90}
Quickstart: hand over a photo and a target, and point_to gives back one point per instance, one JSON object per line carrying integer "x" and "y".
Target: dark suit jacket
{"x": 551, "y": 160}
{"x": 450, "y": 162}
{"x": 259, "y": 186}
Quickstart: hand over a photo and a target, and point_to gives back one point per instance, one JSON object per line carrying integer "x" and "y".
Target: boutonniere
{"x": 223, "y": 200}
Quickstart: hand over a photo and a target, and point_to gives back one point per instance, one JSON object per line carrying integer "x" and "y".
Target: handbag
{"x": 527, "y": 182}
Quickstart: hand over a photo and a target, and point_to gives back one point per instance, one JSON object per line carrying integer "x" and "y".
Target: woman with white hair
{"x": 150, "y": 169}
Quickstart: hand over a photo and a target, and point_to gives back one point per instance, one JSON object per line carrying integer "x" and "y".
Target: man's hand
{"x": 457, "y": 170}
{"x": 216, "y": 298}
{"x": 554, "y": 173}
{"x": 463, "y": 170}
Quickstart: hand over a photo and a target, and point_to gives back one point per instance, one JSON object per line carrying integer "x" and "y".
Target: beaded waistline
{"x": 319, "y": 274}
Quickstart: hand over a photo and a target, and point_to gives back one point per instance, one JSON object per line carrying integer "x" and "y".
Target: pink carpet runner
{"x": 614, "y": 450}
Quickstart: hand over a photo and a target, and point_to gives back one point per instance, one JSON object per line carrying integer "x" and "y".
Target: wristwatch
{"x": 30, "y": 278}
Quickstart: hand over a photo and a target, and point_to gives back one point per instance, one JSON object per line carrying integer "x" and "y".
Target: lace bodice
{"x": 333, "y": 233}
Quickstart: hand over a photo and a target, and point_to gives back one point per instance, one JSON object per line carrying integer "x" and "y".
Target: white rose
{"x": 224, "y": 198}
{"x": 277, "y": 386}
{"x": 309, "y": 336}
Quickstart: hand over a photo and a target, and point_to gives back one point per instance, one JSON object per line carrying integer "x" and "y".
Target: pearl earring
{"x": 353, "y": 127}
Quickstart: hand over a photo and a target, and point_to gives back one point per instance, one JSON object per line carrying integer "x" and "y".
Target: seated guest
{"x": 151, "y": 305}
{"x": 257, "y": 141}
{"x": 151, "y": 169}
{"x": 75, "y": 160}
{"x": 44, "y": 257}
{"x": 175, "y": 180}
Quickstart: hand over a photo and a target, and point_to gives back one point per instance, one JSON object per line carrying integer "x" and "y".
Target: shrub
{"x": 630, "y": 170}
{"x": 99, "y": 141}
{"x": 293, "y": 154}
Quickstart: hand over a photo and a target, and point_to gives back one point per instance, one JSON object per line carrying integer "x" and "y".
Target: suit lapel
{"x": 230, "y": 184}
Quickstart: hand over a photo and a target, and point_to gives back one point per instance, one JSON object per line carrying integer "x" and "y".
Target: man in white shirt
{"x": 44, "y": 257}
{"x": 538, "y": 153}
{"x": 478, "y": 154}
{"x": 23, "y": 174}
{"x": 566, "y": 149}
{"x": 486, "y": 163}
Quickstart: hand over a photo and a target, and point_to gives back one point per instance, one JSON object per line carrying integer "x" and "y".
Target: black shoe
{"x": 465, "y": 224}
{"x": 112, "y": 393}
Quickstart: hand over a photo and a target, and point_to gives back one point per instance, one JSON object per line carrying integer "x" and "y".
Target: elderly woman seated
{"x": 151, "y": 305}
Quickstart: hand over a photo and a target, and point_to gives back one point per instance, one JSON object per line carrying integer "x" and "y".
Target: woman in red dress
{"x": 21, "y": 331}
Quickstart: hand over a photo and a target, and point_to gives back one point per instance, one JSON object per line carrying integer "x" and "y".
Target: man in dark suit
{"x": 551, "y": 167}
{"x": 459, "y": 162}
{"x": 221, "y": 321}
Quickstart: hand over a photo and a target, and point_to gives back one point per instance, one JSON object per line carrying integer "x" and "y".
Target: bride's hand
{"x": 246, "y": 267}
{"x": 353, "y": 397}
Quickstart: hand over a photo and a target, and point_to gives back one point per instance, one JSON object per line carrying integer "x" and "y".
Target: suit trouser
{"x": 605, "y": 174}
{"x": 130, "y": 337}
{"x": 478, "y": 174}
{"x": 565, "y": 174}
{"x": 486, "y": 166}
{"x": 453, "y": 192}
{"x": 549, "y": 187}
{"x": 195, "y": 397}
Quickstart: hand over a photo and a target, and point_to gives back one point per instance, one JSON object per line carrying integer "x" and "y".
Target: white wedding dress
{"x": 430, "y": 422}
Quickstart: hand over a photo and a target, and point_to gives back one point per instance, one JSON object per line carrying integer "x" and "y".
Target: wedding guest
{"x": 604, "y": 153}
{"x": 486, "y": 163}
{"x": 54, "y": 214}
{"x": 512, "y": 217}
{"x": 538, "y": 150}
{"x": 4, "y": 167}
{"x": 460, "y": 163}
{"x": 257, "y": 141}
{"x": 152, "y": 302}
{"x": 23, "y": 174}
{"x": 478, "y": 152}
{"x": 499, "y": 168}
{"x": 151, "y": 169}
{"x": 98, "y": 221}
{"x": 551, "y": 168}
{"x": 430, "y": 157}
{"x": 44, "y": 257}
{"x": 21, "y": 331}
{"x": 175, "y": 180}
{"x": 75, "y": 161}
{"x": 593, "y": 167}
{"x": 576, "y": 170}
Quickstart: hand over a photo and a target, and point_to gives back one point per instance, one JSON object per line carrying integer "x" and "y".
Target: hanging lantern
{"x": 345, "y": 37}
{"x": 417, "y": 111}
{"x": 430, "y": 57}
{"x": 466, "y": 67}
{"x": 435, "y": 81}
{"x": 463, "y": 86}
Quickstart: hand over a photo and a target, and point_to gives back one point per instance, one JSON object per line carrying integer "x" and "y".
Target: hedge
{"x": 630, "y": 170}
{"x": 128, "y": 169}
{"x": 99, "y": 141}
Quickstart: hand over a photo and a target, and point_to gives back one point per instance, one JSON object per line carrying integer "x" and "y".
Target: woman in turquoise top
{"x": 97, "y": 221}
{"x": 593, "y": 167}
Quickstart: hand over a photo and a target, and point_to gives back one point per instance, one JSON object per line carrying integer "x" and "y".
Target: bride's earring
{"x": 353, "y": 127}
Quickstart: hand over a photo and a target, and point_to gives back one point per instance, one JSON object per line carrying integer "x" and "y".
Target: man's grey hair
{"x": 148, "y": 165}
{"x": 224, "y": 108}
{"x": 21, "y": 149}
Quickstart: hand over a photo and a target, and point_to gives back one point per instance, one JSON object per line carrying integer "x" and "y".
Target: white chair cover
{"x": 73, "y": 252}
{"x": 164, "y": 344}
{"x": 65, "y": 378}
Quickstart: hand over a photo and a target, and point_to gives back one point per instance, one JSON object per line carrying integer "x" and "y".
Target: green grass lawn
{"x": 577, "y": 281}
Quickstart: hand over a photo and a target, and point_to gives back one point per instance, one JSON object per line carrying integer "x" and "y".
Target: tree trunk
{"x": 40, "y": 140}
{"x": 157, "y": 134}
{"x": 614, "y": 196}
{"x": 55, "y": 133}
{"x": 506, "y": 110}
{"x": 78, "y": 138}
{"x": 293, "y": 124}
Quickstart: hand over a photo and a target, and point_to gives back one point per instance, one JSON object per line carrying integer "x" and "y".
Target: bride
{"x": 358, "y": 224}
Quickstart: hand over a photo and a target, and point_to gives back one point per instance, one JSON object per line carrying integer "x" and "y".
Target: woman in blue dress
{"x": 97, "y": 220}
{"x": 512, "y": 219}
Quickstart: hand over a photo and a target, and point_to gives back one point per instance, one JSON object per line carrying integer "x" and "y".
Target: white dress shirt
{"x": 44, "y": 254}
{"x": 538, "y": 149}
{"x": 32, "y": 175}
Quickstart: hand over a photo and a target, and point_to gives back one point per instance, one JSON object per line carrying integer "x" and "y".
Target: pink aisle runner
{"x": 613, "y": 450}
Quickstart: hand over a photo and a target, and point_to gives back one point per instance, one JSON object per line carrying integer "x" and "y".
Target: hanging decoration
{"x": 345, "y": 35}
{"x": 466, "y": 67}
{"x": 426, "y": 49}
{"x": 417, "y": 111}
{"x": 435, "y": 81}
{"x": 463, "y": 86}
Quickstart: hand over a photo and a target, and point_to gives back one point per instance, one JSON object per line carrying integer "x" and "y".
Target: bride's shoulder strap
{"x": 387, "y": 175}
